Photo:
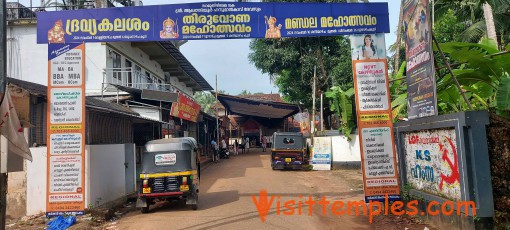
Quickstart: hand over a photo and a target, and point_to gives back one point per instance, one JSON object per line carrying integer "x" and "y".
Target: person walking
{"x": 247, "y": 144}
{"x": 214, "y": 146}
{"x": 223, "y": 145}
{"x": 243, "y": 145}
{"x": 264, "y": 143}
{"x": 236, "y": 146}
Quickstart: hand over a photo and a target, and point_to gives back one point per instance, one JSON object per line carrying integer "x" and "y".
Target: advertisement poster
{"x": 374, "y": 116}
{"x": 368, "y": 46}
{"x": 211, "y": 20}
{"x": 421, "y": 81}
{"x": 66, "y": 129}
{"x": 432, "y": 163}
{"x": 304, "y": 122}
{"x": 185, "y": 108}
{"x": 321, "y": 157}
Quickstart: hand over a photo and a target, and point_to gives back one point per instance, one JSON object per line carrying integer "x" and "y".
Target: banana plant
{"x": 483, "y": 73}
{"x": 342, "y": 104}
{"x": 398, "y": 92}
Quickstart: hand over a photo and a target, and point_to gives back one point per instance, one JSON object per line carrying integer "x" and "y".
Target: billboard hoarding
{"x": 421, "y": 82}
{"x": 66, "y": 130}
{"x": 211, "y": 20}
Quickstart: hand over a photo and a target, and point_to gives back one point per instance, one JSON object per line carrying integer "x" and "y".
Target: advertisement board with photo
{"x": 368, "y": 46}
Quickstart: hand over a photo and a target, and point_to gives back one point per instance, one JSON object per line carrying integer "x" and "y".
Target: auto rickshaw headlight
{"x": 145, "y": 183}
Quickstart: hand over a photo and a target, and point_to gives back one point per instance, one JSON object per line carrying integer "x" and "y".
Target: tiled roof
{"x": 257, "y": 108}
{"x": 274, "y": 97}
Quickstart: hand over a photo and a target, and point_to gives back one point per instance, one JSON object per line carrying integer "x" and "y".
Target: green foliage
{"x": 342, "y": 104}
{"x": 205, "y": 100}
{"x": 291, "y": 61}
{"x": 503, "y": 95}
{"x": 469, "y": 14}
{"x": 483, "y": 74}
{"x": 447, "y": 28}
{"x": 398, "y": 92}
{"x": 245, "y": 92}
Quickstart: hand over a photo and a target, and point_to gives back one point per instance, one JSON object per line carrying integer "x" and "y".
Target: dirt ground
{"x": 227, "y": 191}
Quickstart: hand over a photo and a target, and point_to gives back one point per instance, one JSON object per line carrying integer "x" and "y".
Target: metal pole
{"x": 312, "y": 132}
{"x": 3, "y": 78}
{"x": 217, "y": 121}
{"x": 322, "y": 114}
{"x": 399, "y": 39}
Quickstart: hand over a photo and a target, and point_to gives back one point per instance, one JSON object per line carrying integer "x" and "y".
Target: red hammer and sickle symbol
{"x": 454, "y": 176}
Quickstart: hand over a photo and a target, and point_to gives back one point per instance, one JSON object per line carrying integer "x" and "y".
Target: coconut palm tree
{"x": 478, "y": 16}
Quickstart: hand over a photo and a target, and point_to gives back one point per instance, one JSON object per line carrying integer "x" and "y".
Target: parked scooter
{"x": 224, "y": 154}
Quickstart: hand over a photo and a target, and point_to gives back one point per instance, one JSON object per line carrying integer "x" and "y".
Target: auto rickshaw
{"x": 288, "y": 150}
{"x": 170, "y": 171}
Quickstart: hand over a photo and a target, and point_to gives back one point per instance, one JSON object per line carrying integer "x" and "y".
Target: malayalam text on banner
{"x": 66, "y": 130}
{"x": 211, "y": 20}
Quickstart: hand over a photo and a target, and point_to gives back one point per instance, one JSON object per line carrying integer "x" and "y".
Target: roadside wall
{"x": 346, "y": 154}
{"x": 36, "y": 181}
{"x": 105, "y": 177}
{"x": 104, "y": 174}
{"x": 16, "y": 195}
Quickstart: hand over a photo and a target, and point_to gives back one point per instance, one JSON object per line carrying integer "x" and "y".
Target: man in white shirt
{"x": 215, "y": 150}
{"x": 223, "y": 144}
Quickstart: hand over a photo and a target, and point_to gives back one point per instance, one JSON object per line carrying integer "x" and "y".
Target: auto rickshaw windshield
{"x": 288, "y": 142}
{"x": 170, "y": 161}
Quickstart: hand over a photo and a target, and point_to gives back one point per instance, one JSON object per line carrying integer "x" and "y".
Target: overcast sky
{"x": 228, "y": 59}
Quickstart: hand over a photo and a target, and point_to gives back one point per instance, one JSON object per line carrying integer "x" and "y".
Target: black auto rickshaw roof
{"x": 180, "y": 143}
{"x": 183, "y": 150}
{"x": 288, "y": 133}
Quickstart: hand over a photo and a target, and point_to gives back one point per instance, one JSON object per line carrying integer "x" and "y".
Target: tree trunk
{"x": 399, "y": 40}
{"x": 489, "y": 22}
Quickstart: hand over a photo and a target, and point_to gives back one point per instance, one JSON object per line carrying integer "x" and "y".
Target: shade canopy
{"x": 257, "y": 108}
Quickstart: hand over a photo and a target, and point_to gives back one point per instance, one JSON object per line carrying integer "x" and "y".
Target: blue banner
{"x": 211, "y": 20}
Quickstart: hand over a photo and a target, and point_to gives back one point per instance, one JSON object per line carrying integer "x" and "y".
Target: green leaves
{"x": 483, "y": 73}
{"x": 343, "y": 105}
{"x": 503, "y": 96}
{"x": 291, "y": 62}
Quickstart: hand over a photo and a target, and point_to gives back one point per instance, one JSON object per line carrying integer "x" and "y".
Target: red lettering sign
{"x": 185, "y": 108}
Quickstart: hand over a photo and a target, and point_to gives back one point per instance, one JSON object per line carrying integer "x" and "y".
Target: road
{"x": 226, "y": 199}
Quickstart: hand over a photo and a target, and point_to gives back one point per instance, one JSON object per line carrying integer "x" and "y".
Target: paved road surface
{"x": 226, "y": 198}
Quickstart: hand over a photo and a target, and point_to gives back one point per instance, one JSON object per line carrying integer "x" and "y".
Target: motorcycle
{"x": 224, "y": 154}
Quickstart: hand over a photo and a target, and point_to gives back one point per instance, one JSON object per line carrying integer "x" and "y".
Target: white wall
{"x": 95, "y": 62}
{"x": 345, "y": 151}
{"x": 28, "y": 60}
{"x": 138, "y": 57}
{"x": 36, "y": 181}
{"x": 180, "y": 85}
{"x": 105, "y": 175}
